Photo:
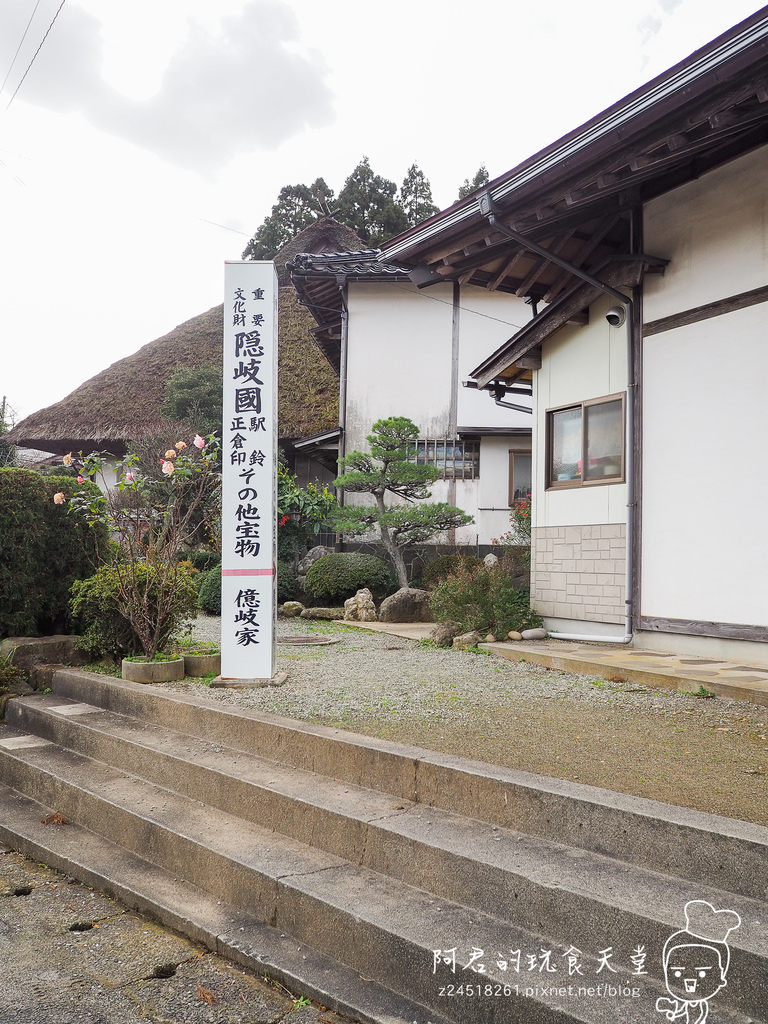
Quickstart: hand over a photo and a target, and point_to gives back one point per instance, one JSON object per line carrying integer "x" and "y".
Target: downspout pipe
{"x": 486, "y": 204}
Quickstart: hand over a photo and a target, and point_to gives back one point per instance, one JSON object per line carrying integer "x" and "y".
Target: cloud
{"x": 243, "y": 87}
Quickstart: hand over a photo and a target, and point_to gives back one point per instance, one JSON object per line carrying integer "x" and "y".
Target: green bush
{"x": 43, "y": 551}
{"x": 209, "y": 595}
{"x": 334, "y": 578}
{"x": 286, "y": 582}
{"x": 101, "y": 614}
{"x": 203, "y": 561}
{"x": 484, "y": 599}
{"x": 442, "y": 566}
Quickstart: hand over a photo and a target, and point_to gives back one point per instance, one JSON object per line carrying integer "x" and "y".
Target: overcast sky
{"x": 148, "y": 140}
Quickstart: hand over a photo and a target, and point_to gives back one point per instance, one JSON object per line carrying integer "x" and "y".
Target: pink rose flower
{"x": 171, "y": 453}
{"x": 199, "y": 442}
{"x": 180, "y": 445}
{"x": 168, "y": 468}
{"x": 129, "y": 476}
{"x": 80, "y": 480}
{"x": 58, "y": 499}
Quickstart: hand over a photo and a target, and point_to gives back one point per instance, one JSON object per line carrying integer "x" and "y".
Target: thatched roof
{"x": 123, "y": 402}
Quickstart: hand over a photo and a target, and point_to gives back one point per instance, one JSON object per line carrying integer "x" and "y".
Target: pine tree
{"x": 390, "y": 468}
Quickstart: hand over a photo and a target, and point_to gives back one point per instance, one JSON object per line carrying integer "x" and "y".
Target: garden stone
{"x": 311, "y": 557}
{"x": 490, "y": 561}
{"x": 323, "y": 613}
{"x": 534, "y": 634}
{"x": 444, "y": 632}
{"x": 406, "y": 605}
{"x": 465, "y": 640}
{"x": 292, "y": 608}
{"x": 490, "y": 639}
{"x": 360, "y": 608}
{"x": 514, "y": 635}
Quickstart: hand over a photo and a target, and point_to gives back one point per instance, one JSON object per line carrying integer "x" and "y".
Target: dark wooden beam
{"x": 710, "y": 309}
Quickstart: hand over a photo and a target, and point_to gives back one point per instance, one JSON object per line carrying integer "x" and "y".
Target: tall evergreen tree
{"x": 416, "y": 196}
{"x": 296, "y": 207}
{"x": 481, "y": 178}
{"x": 368, "y": 205}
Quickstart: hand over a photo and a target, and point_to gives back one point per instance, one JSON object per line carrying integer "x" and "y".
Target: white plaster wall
{"x": 578, "y": 363}
{"x": 399, "y": 358}
{"x": 486, "y": 321}
{"x": 714, "y": 233}
{"x": 705, "y": 485}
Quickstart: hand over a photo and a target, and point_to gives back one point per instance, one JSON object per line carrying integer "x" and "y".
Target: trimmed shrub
{"x": 485, "y": 600}
{"x": 43, "y": 551}
{"x": 442, "y": 567}
{"x": 104, "y": 626}
{"x": 286, "y": 582}
{"x": 203, "y": 561}
{"x": 209, "y": 595}
{"x": 334, "y": 578}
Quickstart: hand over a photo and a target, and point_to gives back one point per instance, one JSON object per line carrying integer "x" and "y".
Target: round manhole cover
{"x": 305, "y": 641}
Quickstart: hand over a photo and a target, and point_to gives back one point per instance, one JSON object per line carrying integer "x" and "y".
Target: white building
{"x": 401, "y": 350}
{"x": 643, "y": 235}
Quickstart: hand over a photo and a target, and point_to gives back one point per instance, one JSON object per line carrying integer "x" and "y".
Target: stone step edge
{"x": 196, "y": 914}
{"x": 586, "y": 817}
{"x": 251, "y": 944}
{"x": 34, "y": 709}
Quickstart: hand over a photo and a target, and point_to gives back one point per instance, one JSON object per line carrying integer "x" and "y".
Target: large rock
{"x": 360, "y": 608}
{"x": 444, "y": 632}
{"x": 311, "y": 557}
{"x": 490, "y": 561}
{"x": 292, "y": 608}
{"x": 465, "y": 640}
{"x": 534, "y": 634}
{"x": 322, "y": 613}
{"x": 406, "y": 605}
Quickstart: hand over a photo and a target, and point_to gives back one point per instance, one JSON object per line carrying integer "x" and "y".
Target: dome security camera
{"x": 616, "y": 316}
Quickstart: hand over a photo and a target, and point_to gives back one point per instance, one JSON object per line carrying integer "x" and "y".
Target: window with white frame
{"x": 456, "y": 460}
{"x": 585, "y": 443}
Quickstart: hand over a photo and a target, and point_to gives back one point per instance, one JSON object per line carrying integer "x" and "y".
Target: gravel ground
{"x": 710, "y": 754}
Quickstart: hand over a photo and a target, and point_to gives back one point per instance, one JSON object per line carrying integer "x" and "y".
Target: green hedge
{"x": 209, "y": 594}
{"x": 336, "y": 577}
{"x": 43, "y": 550}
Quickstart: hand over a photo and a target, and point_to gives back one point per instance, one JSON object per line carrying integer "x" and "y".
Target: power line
{"x": 10, "y": 101}
{"x": 18, "y": 48}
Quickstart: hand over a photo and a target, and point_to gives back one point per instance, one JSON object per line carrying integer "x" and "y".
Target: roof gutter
{"x": 488, "y": 209}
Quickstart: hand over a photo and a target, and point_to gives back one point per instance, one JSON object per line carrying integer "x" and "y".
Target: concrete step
{"x": 549, "y": 884}
{"x": 709, "y": 850}
{"x": 376, "y": 855}
{"x": 383, "y": 930}
{"x": 180, "y": 905}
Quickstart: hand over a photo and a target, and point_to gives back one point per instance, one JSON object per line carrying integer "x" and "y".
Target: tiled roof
{"x": 366, "y": 263}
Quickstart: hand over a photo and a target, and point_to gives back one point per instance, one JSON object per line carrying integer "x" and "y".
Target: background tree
{"x": 481, "y": 178}
{"x": 389, "y": 468}
{"x": 296, "y": 207}
{"x": 416, "y": 196}
{"x": 193, "y": 397}
{"x": 367, "y": 204}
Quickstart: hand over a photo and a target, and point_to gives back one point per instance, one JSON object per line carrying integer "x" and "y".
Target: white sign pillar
{"x": 249, "y": 472}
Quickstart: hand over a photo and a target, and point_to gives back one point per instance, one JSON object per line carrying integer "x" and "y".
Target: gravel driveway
{"x": 710, "y": 754}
